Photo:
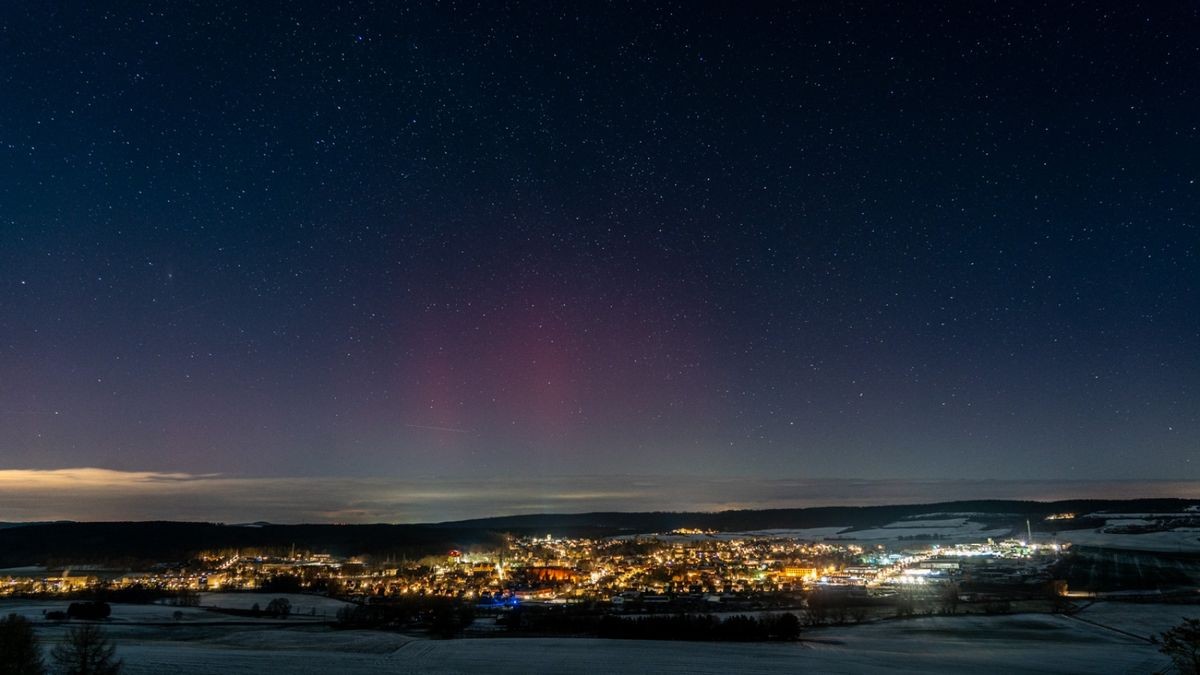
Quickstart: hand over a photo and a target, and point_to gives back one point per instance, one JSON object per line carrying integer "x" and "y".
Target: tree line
{"x": 702, "y": 627}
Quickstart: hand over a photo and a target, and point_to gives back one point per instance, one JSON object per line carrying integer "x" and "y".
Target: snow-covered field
{"x": 944, "y": 529}
{"x": 1126, "y": 522}
{"x": 1028, "y": 643}
{"x": 952, "y": 523}
{"x": 804, "y": 534}
{"x": 1139, "y": 618}
{"x": 957, "y": 528}
{"x": 954, "y": 527}
{"x": 34, "y": 610}
{"x": 1182, "y": 540}
{"x": 809, "y": 533}
{"x": 304, "y": 607}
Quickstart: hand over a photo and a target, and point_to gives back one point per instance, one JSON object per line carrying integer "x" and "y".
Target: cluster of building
{"x": 647, "y": 569}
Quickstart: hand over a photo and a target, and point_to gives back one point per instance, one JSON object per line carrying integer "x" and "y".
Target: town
{"x": 682, "y": 570}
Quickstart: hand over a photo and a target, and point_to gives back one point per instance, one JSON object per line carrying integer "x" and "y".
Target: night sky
{"x": 830, "y": 240}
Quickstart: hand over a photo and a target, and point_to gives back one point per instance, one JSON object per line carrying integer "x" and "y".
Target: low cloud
{"x": 103, "y": 494}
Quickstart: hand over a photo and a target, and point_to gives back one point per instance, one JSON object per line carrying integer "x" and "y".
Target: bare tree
{"x": 19, "y": 650}
{"x": 1182, "y": 644}
{"x": 906, "y": 602}
{"x": 858, "y": 613}
{"x": 279, "y": 607}
{"x": 87, "y": 651}
{"x": 948, "y": 598}
{"x": 816, "y": 610}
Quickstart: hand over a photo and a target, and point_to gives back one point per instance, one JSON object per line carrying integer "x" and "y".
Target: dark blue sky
{"x": 929, "y": 240}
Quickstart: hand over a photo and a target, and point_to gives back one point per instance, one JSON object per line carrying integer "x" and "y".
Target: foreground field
{"x": 1026, "y": 643}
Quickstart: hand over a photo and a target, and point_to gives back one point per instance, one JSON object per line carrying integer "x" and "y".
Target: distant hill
{"x": 47, "y": 522}
{"x": 134, "y": 542}
{"x": 849, "y": 516}
{"x": 139, "y": 542}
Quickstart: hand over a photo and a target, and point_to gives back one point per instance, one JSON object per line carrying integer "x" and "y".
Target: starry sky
{"x": 453, "y": 241}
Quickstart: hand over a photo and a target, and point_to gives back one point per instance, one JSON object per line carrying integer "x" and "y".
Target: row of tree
{"x": 278, "y": 608}
{"x": 86, "y": 651}
{"x": 442, "y": 617}
{"x": 703, "y": 627}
